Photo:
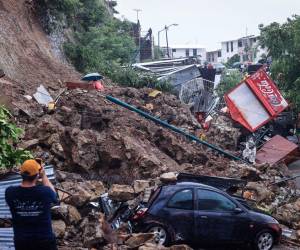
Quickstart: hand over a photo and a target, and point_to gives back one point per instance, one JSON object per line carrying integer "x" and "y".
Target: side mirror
{"x": 238, "y": 210}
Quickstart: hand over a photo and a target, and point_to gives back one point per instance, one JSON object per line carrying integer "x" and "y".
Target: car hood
{"x": 262, "y": 217}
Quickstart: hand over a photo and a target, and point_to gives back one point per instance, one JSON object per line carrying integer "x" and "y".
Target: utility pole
{"x": 139, "y": 31}
{"x": 167, "y": 40}
{"x": 137, "y": 14}
{"x": 166, "y": 28}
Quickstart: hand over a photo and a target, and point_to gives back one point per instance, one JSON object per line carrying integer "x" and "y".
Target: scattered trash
{"x": 155, "y": 93}
{"x": 92, "y": 77}
{"x": 42, "y": 96}
{"x": 28, "y": 97}
{"x": 249, "y": 153}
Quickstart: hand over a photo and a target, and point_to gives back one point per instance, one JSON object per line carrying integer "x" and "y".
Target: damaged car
{"x": 203, "y": 215}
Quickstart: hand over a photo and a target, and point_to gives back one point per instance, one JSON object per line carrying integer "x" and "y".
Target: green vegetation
{"x": 100, "y": 42}
{"x": 9, "y": 134}
{"x": 232, "y": 60}
{"x": 230, "y": 78}
{"x": 283, "y": 42}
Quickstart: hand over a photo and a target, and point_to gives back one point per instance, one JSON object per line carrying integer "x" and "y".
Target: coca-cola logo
{"x": 267, "y": 90}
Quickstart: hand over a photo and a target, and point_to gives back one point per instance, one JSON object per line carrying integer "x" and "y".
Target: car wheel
{"x": 264, "y": 240}
{"x": 162, "y": 236}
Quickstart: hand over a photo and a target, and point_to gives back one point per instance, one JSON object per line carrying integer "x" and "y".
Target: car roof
{"x": 190, "y": 184}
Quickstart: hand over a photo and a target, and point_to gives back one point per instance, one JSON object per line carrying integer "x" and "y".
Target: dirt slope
{"x": 25, "y": 51}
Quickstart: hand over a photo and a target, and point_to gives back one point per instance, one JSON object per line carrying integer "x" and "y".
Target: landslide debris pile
{"x": 88, "y": 134}
{"x": 96, "y": 144}
{"x": 77, "y": 224}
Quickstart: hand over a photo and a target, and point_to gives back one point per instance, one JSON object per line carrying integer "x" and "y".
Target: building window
{"x": 173, "y": 50}
{"x": 231, "y": 46}
{"x": 212, "y": 58}
{"x": 194, "y": 52}
{"x": 240, "y": 43}
{"x": 187, "y": 52}
{"x": 219, "y": 53}
{"x": 227, "y": 45}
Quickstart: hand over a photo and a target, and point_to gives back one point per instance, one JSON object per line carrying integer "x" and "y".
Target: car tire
{"x": 162, "y": 234}
{"x": 264, "y": 240}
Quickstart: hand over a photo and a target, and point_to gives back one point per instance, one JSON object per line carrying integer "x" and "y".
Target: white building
{"x": 188, "y": 50}
{"x": 246, "y": 47}
{"x": 214, "y": 56}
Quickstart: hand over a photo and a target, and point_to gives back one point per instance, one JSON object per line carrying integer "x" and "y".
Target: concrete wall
{"x": 226, "y": 55}
{"x": 181, "y": 53}
{"x": 213, "y": 57}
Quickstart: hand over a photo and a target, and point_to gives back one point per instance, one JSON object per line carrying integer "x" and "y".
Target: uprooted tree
{"x": 283, "y": 43}
{"x": 9, "y": 135}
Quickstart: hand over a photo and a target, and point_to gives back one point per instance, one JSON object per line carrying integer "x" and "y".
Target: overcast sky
{"x": 207, "y": 22}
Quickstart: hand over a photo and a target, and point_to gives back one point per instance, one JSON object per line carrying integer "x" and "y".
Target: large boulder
{"x": 140, "y": 239}
{"x": 140, "y": 186}
{"x": 82, "y": 192}
{"x": 289, "y": 214}
{"x": 59, "y": 228}
{"x": 73, "y": 215}
{"x": 91, "y": 227}
{"x": 121, "y": 192}
{"x": 168, "y": 177}
{"x": 152, "y": 246}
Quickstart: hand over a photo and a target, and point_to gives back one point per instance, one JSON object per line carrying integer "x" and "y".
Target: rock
{"x": 263, "y": 193}
{"x": 29, "y": 144}
{"x": 2, "y": 74}
{"x": 121, "y": 192}
{"x": 66, "y": 109}
{"x": 92, "y": 230}
{"x": 152, "y": 246}
{"x": 180, "y": 247}
{"x": 140, "y": 239}
{"x": 60, "y": 212}
{"x": 80, "y": 196}
{"x": 59, "y": 228}
{"x": 65, "y": 176}
{"x": 168, "y": 177}
{"x": 73, "y": 215}
{"x": 140, "y": 185}
{"x": 289, "y": 214}
{"x": 95, "y": 188}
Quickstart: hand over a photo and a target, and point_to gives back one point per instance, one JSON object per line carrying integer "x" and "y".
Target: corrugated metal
{"x": 198, "y": 93}
{"x": 275, "y": 150}
{"x": 6, "y": 239}
{"x": 15, "y": 180}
